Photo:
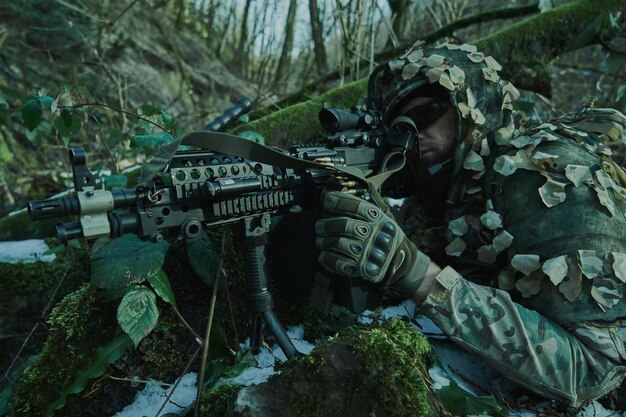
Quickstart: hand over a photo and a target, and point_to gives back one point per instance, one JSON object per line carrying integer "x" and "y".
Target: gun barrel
{"x": 242, "y": 107}
{"x": 55, "y": 207}
{"x": 68, "y": 231}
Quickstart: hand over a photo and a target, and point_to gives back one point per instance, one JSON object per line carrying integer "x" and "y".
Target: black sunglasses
{"x": 426, "y": 114}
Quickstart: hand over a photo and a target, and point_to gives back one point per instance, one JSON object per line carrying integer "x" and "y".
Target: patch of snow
{"x": 129, "y": 169}
{"x": 25, "y": 252}
{"x": 439, "y": 377}
{"x": 251, "y": 376}
{"x": 151, "y": 398}
{"x": 595, "y": 409}
{"x": 405, "y": 309}
{"x": 267, "y": 357}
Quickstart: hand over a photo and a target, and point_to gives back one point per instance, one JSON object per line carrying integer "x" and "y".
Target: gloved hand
{"x": 363, "y": 240}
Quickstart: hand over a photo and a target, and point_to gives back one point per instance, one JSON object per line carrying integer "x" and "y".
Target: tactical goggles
{"x": 428, "y": 113}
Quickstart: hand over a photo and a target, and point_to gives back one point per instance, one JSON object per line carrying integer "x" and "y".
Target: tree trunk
{"x": 398, "y": 12}
{"x": 318, "y": 41}
{"x": 243, "y": 39}
{"x": 283, "y": 62}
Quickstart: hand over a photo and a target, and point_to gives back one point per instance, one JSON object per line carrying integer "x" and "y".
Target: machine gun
{"x": 234, "y": 181}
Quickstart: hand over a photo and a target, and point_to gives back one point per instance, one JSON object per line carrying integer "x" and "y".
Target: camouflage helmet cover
{"x": 483, "y": 101}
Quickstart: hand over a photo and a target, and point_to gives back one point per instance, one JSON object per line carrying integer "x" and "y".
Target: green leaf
{"x": 112, "y": 295}
{"x": 137, "y": 313}
{"x": 253, "y": 136}
{"x": 31, "y": 113}
{"x": 116, "y": 181}
{"x": 218, "y": 373}
{"x": 151, "y": 141}
{"x": 46, "y": 100}
{"x": 591, "y": 31}
{"x": 126, "y": 260}
{"x": 67, "y": 123}
{"x": 148, "y": 110}
{"x": 104, "y": 356}
{"x": 461, "y": 403}
{"x": 244, "y": 118}
{"x": 615, "y": 61}
{"x": 5, "y": 395}
{"x": 203, "y": 258}
{"x": 161, "y": 285}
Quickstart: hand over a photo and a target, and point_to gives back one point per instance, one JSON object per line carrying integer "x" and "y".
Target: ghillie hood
{"x": 483, "y": 102}
{"x": 541, "y": 213}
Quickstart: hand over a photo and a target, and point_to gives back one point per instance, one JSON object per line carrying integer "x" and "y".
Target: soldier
{"x": 515, "y": 243}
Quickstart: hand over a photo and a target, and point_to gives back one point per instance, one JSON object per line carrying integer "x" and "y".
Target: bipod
{"x": 254, "y": 233}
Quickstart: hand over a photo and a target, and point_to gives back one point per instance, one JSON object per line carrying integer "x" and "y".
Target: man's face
{"x": 436, "y": 139}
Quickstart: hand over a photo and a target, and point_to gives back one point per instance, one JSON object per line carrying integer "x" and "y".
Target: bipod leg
{"x": 260, "y": 302}
{"x": 257, "y": 334}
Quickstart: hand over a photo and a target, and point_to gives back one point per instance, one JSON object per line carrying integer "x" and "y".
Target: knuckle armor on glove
{"x": 361, "y": 240}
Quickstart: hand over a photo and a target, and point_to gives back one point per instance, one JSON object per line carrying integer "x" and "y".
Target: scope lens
{"x": 329, "y": 120}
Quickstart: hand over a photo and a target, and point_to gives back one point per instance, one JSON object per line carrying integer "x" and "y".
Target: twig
{"x": 41, "y": 318}
{"x": 133, "y": 115}
{"x": 81, "y": 11}
{"x": 230, "y": 309}
{"x": 205, "y": 352}
{"x": 167, "y": 399}
{"x": 115, "y": 378}
{"x": 17, "y": 336}
{"x": 130, "y": 6}
{"x": 180, "y": 316}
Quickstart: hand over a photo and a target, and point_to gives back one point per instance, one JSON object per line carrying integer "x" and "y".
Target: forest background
{"x": 120, "y": 77}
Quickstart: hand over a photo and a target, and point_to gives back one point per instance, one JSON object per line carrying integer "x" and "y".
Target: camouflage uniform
{"x": 534, "y": 230}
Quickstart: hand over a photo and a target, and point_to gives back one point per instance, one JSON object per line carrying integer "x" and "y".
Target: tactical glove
{"x": 363, "y": 240}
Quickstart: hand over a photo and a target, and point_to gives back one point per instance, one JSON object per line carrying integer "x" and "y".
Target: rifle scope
{"x": 337, "y": 120}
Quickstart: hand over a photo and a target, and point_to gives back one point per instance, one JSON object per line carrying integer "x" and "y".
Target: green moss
{"x": 20, "y": 227}
{"x": 398, "y": 357}
{"x": 163, "y": 355}
{"x": 79, "y": 325}
{"x": 378, "y": 371}
{"x": 215, "y": 402}
{"x": 26, "y": 290}
{"x": 299, "y": 123}
{"x": 526, "y": 47}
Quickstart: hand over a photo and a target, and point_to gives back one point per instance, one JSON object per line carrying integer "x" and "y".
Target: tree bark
{"x": 318, "y": 41}
{"x": 243, "y": 39}
{"x": 283, "y": 62}
{"x": 398, "y": 10}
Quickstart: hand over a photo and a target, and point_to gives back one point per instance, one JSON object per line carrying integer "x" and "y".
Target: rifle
{"x": 236, "y": 181}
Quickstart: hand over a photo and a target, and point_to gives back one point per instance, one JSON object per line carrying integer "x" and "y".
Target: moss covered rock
{"x": 379, "y": 370}
{"x": 80, "y": 324}
{"x": 18, "y": 226}
{"x": 26, "y": 290}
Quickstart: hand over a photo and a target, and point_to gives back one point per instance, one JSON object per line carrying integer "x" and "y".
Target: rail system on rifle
{"x": 208, "y": 188}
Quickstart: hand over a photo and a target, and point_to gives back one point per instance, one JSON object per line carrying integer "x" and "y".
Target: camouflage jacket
{"x": 537, "y": 212}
